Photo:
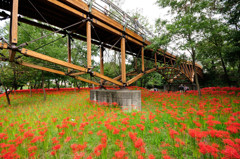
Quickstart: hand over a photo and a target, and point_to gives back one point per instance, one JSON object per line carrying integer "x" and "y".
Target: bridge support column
{"x": 123, "y": 56}
{"x": 13, "y": 29}
{"x": 101, "y": 63}
{"x": 143, "y": 67}
{"x": 89, "y": 63}
{"x": 69, "y": 50}
{"x": 128, "y": 100}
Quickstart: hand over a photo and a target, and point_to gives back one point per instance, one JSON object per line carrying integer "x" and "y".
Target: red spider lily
{"x": 230, "y": 153}
{"x": 28, "y": 134}
{"x": 125, "y": 121}
{"x": 218, "y": 133}
{"x": 53, "y": 153}
{"x": 173, "y": 133}
{"x": 120, "y": 154}
{"x": 82, "y": 125}
{"x": 234, "y": 128}
{"x": 211, "y": 123}
{"x": 79, "y": 155}
{"x": 139, "y": 143}
{"x": 164, "y": 152}
{"x": 68, "y": 139}
{"x": 90, "y": 132}
{"x": 229, "y": 142}
{"x": 78, "y": 147}
{"x": 116, "y": 131}
{"x": 99, "y": 133}
{"x": 238, "y": 142}
{"x": 124, "y": 128}
{"x": 133, "y": 136}
{"x": 54, "y": 120}
{"x": 43, "y": 132}
{"x": 134, "y": 113}
{"x": 98, "y": 149}
{"x": 143, "y": 117}
{"x": 197, "y": 123}
{"x": 196, "y": 133}
{"x": 10, "y": 155}
{"x": 54, "y": 140}
{"x": 142, "y": 127}
{"x": 37, "y": 138}
{"x": 151, "y": 116}
{"x": 133, "y": 127}
{"x": 104, "y": 141}
{"x": 200, "y": 112}
{"x": 89, "y": 157}
{"x": 205, "y": 148}
{"x": 3, "y": 136}
{"x": 56, "y": 147}
{"x": 32, "y": 148}
{"x": 176, "y": 145}
{"x": 114, "y": 103}
{"x": 151, "y": 156}
{"x": 166, "y": 157}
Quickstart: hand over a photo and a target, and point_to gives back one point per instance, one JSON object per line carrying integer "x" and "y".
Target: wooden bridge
{"x": 91, "y": 22}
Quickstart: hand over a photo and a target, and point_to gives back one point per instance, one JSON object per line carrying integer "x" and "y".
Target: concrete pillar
{"x": 128, "y": 100}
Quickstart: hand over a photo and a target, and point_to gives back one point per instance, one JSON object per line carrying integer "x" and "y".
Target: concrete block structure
{"x": 128, "y": 100}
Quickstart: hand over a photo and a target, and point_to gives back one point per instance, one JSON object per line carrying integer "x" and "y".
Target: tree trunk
{"x": 238, "y": 82}
{"x": 7, "y": 96}
{"x": 195, "y": 72}
{"x": 74, "y": 86}
{"x": 224, "y": 68}
{"x": 14, "y": 79}
{"x": 78, "y": 85}
{"x": 35, "y": 85}
{"x": 48, "y": 83}
{"x": 213, "y": 68}
{"x": 44, "y": 92}
{"x": 57, "y": 84}
{"x": 30, "y": 87}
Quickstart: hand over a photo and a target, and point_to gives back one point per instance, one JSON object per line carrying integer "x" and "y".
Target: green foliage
{"x": 54, "y": 46}
{"x": 12, "y": 75}
{"x": 231, "y": 10}
{"x": 200, "y": 28}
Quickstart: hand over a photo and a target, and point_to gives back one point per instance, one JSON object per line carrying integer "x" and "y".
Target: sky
{"x": 148, "y": 7}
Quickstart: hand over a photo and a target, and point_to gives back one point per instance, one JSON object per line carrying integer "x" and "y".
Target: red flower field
{"x": 170, "y": 125}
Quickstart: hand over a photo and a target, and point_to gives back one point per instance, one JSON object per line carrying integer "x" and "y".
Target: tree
{"x": 186, "y": 26}
{"x": 231, "y": 11}
{"x": 54, "y": 46}
{"x": 11, "y": 77}
{"x": 219, "y": 47}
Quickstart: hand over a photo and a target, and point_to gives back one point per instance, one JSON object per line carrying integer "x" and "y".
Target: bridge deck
{"x": 59, "y": 14}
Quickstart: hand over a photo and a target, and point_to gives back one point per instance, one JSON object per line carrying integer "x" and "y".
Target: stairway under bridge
{"x": 93, "y": 22}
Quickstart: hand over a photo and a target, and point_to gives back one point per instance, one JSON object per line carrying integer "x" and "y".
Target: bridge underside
{"x": 78, "y": 20}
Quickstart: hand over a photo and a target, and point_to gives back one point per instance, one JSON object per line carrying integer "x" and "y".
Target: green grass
{"x": 75, "y": 116}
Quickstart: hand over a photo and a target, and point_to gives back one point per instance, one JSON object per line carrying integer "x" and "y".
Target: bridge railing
{"x": 113, "y": 11}
{"x": 116, "y": 13}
